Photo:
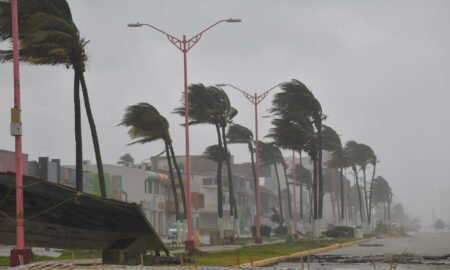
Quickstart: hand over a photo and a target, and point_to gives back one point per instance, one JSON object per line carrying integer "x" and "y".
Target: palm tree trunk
{"x": 342, "y": 193}
{"x": 180, "y": 179}
{"x": 219, "y": 174}
{"x": 250, "y": 148}
{"x": 310, "y": 197}
{"x": 288, "y": 192}
{"x": 365, "y": 196}
{"x": 314, "y": 186}
{"x": 361, "y": 209}
{"x": 78, "y": 140}
{"x": 370, "y": 193}
{"x": 233, "y": 208}
{"x": 172, "y": 181}
{"x": 389, "y": 211}
{"x": 279, "y": 194}
{"x": 301, "y": 187}
{"x": 301, "y": 201}
{"x": 319, "y": 167}
{"x": 98, "y": 156}
{"x": 349, "y": 202}
{"x": 338, "y": 203}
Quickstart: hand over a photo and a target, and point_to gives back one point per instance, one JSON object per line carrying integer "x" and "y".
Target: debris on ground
{"x": 405, "y": 258}
{"x": 370, "y": 245}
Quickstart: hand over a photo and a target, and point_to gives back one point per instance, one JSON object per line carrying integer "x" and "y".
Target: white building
{"x": 148, "y": 189}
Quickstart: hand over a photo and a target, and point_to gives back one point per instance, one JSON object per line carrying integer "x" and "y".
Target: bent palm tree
{"x": 147, "y": 125}
{"x": 373, "y": 161}
{"x": 297, "y": 103}
{"x": 269, "y": 154}
{"x": 49, "y": 36}
{"x": 355, "y": 156}
{"x": 210, "y": 105}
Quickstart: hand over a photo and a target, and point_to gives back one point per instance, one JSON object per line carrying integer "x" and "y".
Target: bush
{"x": 265, "y": 230}
{"x": 340, "y": 231}
{"x": 281, "y": 230}
{"x": 439, "y": 225}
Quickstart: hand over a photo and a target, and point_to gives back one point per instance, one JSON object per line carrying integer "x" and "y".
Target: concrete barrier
{"x": 305, "y": 253}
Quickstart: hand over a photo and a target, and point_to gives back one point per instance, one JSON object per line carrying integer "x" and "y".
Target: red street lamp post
{"x": 255, "y": 100}
{"x": 295, "y": 200}
{"x": 19, "y": 255}
{"x": 184, "y": 46}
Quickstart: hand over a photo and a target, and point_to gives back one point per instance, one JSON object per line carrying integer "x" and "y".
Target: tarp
{"x": 57, "y": 216}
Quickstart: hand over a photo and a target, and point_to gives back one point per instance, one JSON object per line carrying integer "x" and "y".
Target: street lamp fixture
{"x": 184, "y": 45}
{"x": 255, "y": 100}
{"x": 134, "y": 25}
{"x": 234, "y": 20}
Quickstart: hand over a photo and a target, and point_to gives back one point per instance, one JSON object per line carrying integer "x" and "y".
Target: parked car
{"x": 172, "y": 232}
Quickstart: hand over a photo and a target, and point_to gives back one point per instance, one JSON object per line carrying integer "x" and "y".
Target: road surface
{"x": 426, "y": 249}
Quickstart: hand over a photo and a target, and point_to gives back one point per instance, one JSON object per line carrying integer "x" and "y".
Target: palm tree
{"x": 382, "y": 193}
{"x": 356, "y": 157}
{"x": 303, "y": 177}
{"x": 331, "y": 143}
{"x": 126, "y": 158}
{"x": 148, "y": 125}
{"x": 366, "y": 154}
{"x": 340, "y": 160}
{"x": 210, "y": 105}
{"x": 269, "y": 154}
{"x": 296, "y": 103}
{"x": 49, "y": 36}
{"x": 287, "y": 133}
{"x": 240, "y": 134}
{"x": 373, "y": 161}
{"x": 228, "y": 113}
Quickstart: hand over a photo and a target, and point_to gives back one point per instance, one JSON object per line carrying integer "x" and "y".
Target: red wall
{"x": 8, "y": 160}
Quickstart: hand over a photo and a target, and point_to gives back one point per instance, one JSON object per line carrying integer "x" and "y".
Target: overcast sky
{"x": 379, "y": 68}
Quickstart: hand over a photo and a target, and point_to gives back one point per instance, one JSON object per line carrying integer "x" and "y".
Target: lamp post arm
{"x": 264, "y": 95}
{"x": 246, "y": 95}
{"x": 175, "y": 41}
{"x": 193, "y": 40}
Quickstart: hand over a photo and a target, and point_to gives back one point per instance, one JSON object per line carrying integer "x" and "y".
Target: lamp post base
{"x": 189, "y": 245}
{"x": 20, "y": 257}
{"x": 258, "y": 240}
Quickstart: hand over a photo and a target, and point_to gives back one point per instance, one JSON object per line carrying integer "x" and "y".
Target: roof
{"x": 57, "y": 216}
{"x": 11, "y": 152}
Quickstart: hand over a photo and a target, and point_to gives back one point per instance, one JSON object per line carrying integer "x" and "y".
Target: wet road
{"x": 420, "y": 251}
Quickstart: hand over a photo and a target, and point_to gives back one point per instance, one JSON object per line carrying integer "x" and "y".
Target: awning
{"x": 57, "y": 216}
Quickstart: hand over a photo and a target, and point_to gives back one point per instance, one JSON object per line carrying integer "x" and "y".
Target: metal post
{"x": 258, "y": 239}
{"x": 295, "y": 200}
{"x": 189, "y": 245}
{"x": 18, "y": 255}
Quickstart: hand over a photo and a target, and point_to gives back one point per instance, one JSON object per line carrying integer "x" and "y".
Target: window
{"x": 148, "y": 186}
{"x": 209, "y": 181}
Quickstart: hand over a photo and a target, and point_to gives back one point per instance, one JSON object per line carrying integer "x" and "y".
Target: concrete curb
{"x": 273, "y": 260}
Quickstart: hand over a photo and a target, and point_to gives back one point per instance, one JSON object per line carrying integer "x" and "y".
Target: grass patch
{"x": 228, "y": 257}
{"x": 246, "y": 240}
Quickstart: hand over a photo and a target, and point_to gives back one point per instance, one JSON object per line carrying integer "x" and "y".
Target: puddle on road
{"x": 400, "y": 262}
